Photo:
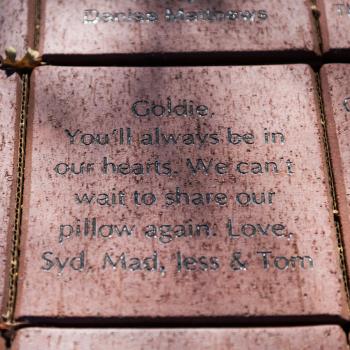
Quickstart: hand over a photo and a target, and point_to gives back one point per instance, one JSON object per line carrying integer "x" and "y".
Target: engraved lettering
{"x": 252, "y": 230}
{"x": 192, "y": 263}
{"x": 94, "y": 16}
{"x": 76, "y": 263}
{"x": 342, "y": 9}
{"x": 91, "y": 17}
{"x": 283, "y": 263}
{"x": 125, "y": 262}
{"x": 167, "y": 233}
{"x": 236, "y": 263}
{"x": 346, "y": 104}
{"x": 211, "y": 15}
{"x": 184, "y": 108}
{"x": 89, "y": 228}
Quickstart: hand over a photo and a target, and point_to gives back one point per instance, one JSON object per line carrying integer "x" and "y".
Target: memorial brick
{"x": 177, "y": 192}
{"x": 336, "y": 95}
{"x": 335, "y": 25}
{"x": 293, "y": 338}
{"x": 99, "y": 27}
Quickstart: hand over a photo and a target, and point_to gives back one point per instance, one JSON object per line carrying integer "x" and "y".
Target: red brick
{"x": 63, "y": 30}
{"x": 293, "y": 338}
{"x": 8, "y": 170}
{"x": 335, "y": 24}
{"x": 14, "y": 24}
{"x": 246, "y": 99}
{"x": 336, "y": 89}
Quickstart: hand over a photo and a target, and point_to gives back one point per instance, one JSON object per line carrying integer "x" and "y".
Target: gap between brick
{"x": 8, "y": 321}
{"x": 8, "y": 324}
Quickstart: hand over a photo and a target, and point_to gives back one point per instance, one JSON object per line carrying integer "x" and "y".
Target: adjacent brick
{"x": 335, "y": 24}
{"x": 14, "y": 24}
{"x": 126, "y": 27}
{"x": 8, "y": 167}
{"x": 336, "y": 94}
{"x": 263, "y": 192}
{"x": 293, "y": 338}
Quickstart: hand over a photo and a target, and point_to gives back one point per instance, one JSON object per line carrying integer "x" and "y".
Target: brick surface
{"x": 335, "y": 24}
{"x": 102, "y": 27}
{"x": 235, "y": 219}
{"x": 8, "y": 154}
{"x": 14, "y": 25}
{"x": 336, "y": 93}
{"x": 293, "y": 338}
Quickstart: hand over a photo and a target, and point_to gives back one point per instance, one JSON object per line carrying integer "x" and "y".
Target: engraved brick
{"x": 336, "y": 94}
{"x": 127, "y": 27}
{"x": 14, "y": 25}
{"x": 8, "y": 163}
{"x": 335, "y": 25}
{"x": 294, "y": 338}
{"x": 248, "y": 232}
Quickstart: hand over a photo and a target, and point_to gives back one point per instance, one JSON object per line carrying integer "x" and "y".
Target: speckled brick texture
{"x": 14, "y": 25}
{"x": 122, "y": 26}
{"x": 8, "y": 155}
{"x": 336, "y": 94}
{"x": 138, "y": 203}
{"x": 293, "y": 338}
{"x": 335, "y": 24}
